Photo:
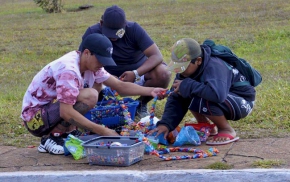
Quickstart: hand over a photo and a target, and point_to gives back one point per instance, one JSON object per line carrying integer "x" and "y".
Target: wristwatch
{"x": 137, "y": 77}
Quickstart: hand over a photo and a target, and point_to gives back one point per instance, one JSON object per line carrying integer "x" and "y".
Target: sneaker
{"x": 75, "y": 133}
{"x": 51, "y": 144}
{"x": 142, "y": 111}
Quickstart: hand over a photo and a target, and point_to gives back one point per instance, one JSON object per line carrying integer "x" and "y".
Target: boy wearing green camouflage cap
{"x": 204, "y": 85}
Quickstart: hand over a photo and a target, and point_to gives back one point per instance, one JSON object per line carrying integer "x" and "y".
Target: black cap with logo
{"x": 114, "y": 22}
{"x": 101, "y": 47}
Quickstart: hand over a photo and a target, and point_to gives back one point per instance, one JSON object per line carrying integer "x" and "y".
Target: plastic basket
{"x": 100, "y": 152}
{"x": 110, "y": 114}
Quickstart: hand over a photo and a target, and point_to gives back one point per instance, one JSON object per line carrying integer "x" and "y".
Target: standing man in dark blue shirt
{"x": 137, "y": 57}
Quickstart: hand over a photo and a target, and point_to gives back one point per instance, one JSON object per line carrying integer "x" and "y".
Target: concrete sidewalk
{"x": 25, "y": 162}
{"x": 272, "y": 175}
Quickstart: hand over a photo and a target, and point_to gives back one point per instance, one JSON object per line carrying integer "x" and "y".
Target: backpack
{"x": 253, "y": 76}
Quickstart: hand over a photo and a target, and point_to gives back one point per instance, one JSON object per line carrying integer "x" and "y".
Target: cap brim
{"x": 105, "y": 61}
{"x": 178, "y": 67}
{"x": 110, "y": 33}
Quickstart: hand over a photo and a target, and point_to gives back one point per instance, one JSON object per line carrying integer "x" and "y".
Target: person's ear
{"x": 86, "y": 52}
{"x": 101, "y": 20}
{"x": 199, "y": 61}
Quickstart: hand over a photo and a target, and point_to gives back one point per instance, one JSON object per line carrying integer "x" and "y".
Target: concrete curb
{"x": 273, "y": 175}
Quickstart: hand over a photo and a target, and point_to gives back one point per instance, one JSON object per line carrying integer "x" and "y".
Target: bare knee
{"x": 164, "y": 78}
{"x": 159, "y": 77}
{"x": 88, "y": 96}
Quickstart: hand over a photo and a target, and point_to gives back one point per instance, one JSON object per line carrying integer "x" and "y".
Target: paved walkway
{"x": 261, "y": 175}
{"x": 22, "y": 163}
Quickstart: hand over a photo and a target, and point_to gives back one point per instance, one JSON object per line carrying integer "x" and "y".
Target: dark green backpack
{"x": 253, "y": 76}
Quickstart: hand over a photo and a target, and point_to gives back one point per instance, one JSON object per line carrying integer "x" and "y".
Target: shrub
{"x": 50, "y": 6}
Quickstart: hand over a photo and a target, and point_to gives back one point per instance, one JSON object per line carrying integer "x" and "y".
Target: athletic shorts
{"x": 119, "y": 70}
{"x": 44, "y": 120}
{"x": 234, "y": 107}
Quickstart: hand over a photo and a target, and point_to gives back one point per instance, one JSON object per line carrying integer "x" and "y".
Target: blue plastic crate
{"x": 110, "y": 114}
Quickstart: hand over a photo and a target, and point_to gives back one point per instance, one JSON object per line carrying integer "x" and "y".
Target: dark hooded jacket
{"x": 212, "y": 81}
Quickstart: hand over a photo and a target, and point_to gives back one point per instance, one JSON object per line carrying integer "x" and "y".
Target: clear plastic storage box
{"x": 114, "y": 151}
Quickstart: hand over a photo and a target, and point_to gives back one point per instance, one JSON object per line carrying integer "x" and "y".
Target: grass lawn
{"x": 257, "y": 30}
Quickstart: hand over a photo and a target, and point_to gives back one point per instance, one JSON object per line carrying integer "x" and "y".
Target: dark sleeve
{"x": 141, "y": 37}
{"x": 175, "y": 109}
{"x": 93, "y": 29}
{"x": 214, "y": 88}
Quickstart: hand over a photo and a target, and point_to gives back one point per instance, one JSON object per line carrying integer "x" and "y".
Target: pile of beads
{"x": 149, "y": 149}
{"x": 108, "y": 144}
{"x": 152, "y": 110}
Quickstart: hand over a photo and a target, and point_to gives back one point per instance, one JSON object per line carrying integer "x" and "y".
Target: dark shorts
{"x": 119, "y": 70}
{"x": 44, "y": 120}
{"x": 234, "y": 107}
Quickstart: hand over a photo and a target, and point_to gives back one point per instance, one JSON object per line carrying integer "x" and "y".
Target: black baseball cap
{"x": 114, "y": 22}
{"x": 101, "y": 47}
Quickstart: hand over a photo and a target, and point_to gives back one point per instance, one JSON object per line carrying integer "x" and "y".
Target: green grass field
{"x": 257, "y": 30}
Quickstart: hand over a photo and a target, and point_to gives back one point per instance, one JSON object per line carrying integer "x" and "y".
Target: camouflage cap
{"x": 183, "y": 51}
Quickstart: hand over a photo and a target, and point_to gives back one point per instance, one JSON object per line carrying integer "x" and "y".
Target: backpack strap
{"x": 223, "y": 53}
{"x": 238, "y": 84}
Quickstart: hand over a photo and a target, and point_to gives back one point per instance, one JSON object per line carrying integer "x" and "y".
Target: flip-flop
{"x": 231, "y": 139}
{"x": 213, "y": 134}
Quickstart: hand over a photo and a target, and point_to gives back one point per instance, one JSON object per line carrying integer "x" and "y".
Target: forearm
{"x": 190, "y": 88}
{"x": 75, "y": 118}
{"x": 131, "y": 89}
{"x": 128, "y": 88}
{"x": 84, "y": 123}
{"x": 149, "y": 64}
{"x": 175, "y": 109}
{"x": 154, "y": 58}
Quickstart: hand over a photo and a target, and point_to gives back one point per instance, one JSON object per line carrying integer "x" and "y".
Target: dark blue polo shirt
{"x": 127, "y": 51}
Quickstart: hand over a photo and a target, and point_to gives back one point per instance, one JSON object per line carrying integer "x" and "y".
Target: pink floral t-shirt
{"x": 61, "y": 80}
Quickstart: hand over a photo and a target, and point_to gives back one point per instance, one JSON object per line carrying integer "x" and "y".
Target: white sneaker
{"x": 51, "y": 144}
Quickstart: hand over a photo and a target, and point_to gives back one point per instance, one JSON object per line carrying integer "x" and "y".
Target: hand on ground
{"x": 160, "y": 129}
